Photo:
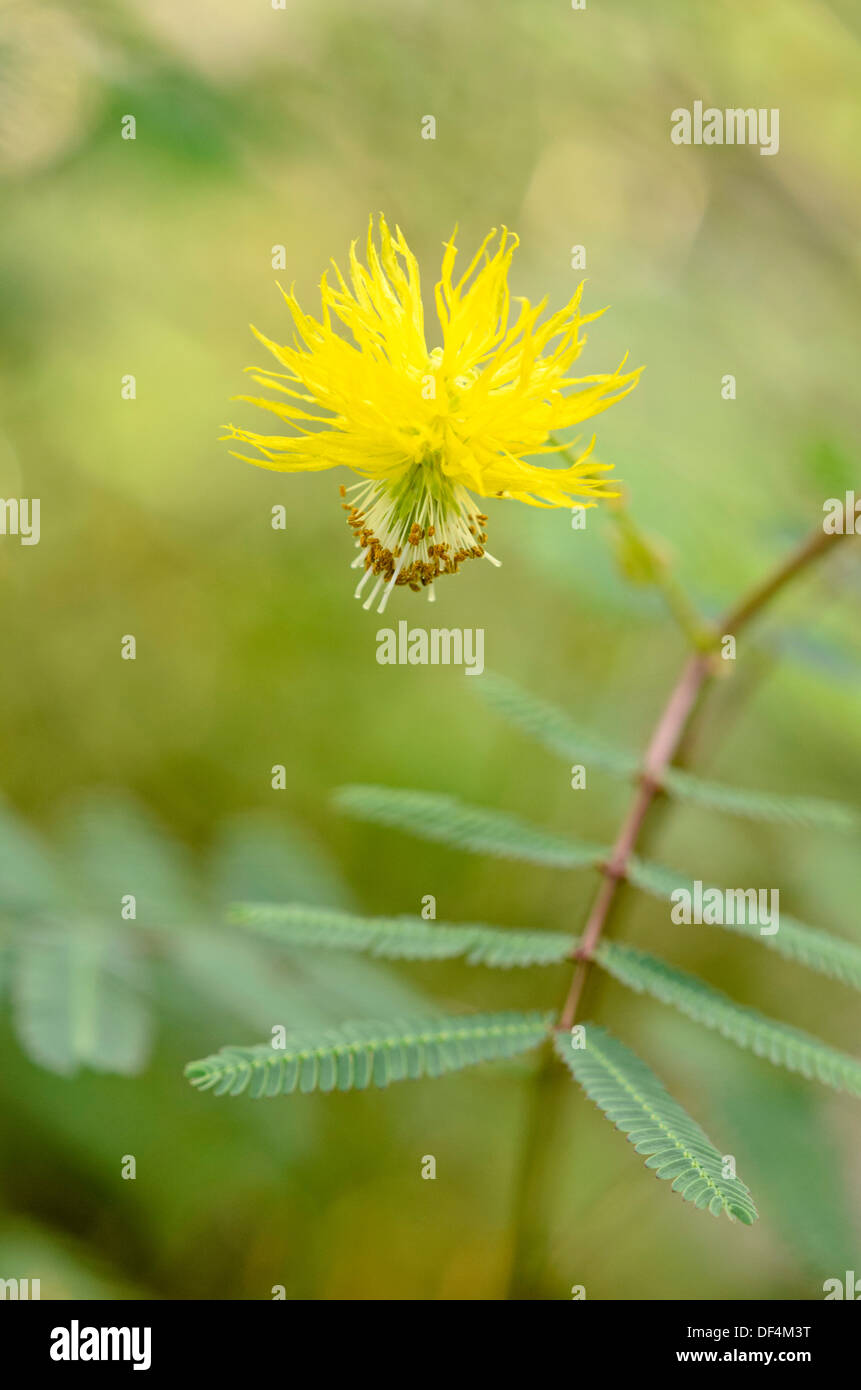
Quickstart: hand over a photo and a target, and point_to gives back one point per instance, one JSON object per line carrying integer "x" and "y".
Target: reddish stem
{"x": 661, "y": 750}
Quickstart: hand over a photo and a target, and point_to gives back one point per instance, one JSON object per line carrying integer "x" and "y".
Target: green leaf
{"x": 806, "y": 811}
{"x": 811, "y": 946}
{"x": 234, "y": 974}
{"x": 779, "y": 1114}
{"x": 353, "y": 987}
{"x": 782, "y": 1044}
{"x": 355, "y": 1055}
{"x": 434, "y": 816}
{"x": 256, "y": 856}
{"x": 29, "y": 879}
{"x": 632, "y": 1097}
{"x": 112, "y": 846}
{"x": 553, "y": 729}
{"x": 401, "y": 938}
{"x": 77, "y": 1001}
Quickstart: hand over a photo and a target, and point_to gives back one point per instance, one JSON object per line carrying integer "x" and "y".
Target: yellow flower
{"x": 425, "y": 429}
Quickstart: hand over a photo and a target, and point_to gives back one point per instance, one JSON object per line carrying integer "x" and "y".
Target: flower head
{"x": 425, "y": 428}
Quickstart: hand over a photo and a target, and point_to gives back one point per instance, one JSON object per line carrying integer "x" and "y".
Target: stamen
{"x": 373, "y": 594}
{"x": 391, "y": 584}
{"x": 362, "y": 582}
{"x": 412, "y": 531}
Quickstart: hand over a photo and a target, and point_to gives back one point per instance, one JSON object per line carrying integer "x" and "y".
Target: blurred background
{"x": 258, "y": 127}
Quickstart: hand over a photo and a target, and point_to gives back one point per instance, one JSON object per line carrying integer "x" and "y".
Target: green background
{"x": 258, "y": 127}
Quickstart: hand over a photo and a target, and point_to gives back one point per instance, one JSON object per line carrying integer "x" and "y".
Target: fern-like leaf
{"x": 782, "y": 1044}
{"x": 811, "y": 946}
{"x": 635, "y": 1101}
{"x": 806, "y": 811}
{"x": 553, "y": 729}
{"x": 434, "y": 816}
{"x": 401, "y": 938}
{"x": 78, "y": 1000}
{"x": 357, "y": 1055}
